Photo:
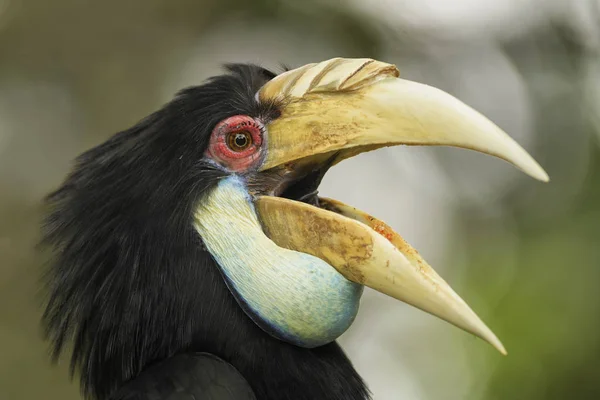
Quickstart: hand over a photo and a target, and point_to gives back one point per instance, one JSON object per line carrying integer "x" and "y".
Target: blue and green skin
{"x": 293, "y": 296}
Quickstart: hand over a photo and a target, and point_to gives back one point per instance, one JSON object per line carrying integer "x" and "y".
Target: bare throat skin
{"x": 295, "y": 297}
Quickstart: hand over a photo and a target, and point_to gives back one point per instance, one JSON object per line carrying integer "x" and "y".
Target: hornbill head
{"x": 224, "y": 178}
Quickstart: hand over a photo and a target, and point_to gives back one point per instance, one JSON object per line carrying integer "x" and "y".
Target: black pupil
{"x": 240, "y": 140}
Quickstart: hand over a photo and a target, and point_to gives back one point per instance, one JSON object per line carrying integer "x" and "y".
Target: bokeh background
{"x": 524, "y": 254}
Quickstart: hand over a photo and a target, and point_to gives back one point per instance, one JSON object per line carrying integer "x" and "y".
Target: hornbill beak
{"x": 342, "y": 107}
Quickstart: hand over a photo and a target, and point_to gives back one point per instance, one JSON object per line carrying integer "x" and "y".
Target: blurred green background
{"x": 525, "y": 255}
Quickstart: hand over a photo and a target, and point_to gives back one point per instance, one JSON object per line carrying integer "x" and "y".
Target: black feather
{"x": 130, "y": 282}
{"x": 188, "y": 377}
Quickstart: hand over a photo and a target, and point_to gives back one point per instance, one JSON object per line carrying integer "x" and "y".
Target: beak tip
{"x": 498, "y": 346}
{"x": 542, "y": 176}
{"x": 546, "y": 179}
{"x": 492, "y": 339}
{"x": 531, "y": 167}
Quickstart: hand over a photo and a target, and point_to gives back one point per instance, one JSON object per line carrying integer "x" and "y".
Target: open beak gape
{"x": 342, "y": 107}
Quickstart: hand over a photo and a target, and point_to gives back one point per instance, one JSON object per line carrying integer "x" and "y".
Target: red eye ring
{"x": 236, "y": 142}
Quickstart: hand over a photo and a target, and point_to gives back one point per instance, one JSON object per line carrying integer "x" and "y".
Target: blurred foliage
{"x": 72, "y": 72}
{"x": 549, "y": 314}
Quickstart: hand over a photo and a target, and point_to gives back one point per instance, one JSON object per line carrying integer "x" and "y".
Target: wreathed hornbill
{"x": 193, "y": 258}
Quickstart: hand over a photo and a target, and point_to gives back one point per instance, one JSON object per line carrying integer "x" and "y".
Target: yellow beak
{"x": 342, "y": 107}
{"x": 354, "y": 105}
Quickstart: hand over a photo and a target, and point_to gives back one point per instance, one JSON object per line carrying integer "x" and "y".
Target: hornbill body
{"x": 194, "y": 259}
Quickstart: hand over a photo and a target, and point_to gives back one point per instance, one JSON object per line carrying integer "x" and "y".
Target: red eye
{"x": 236, "y": 143}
